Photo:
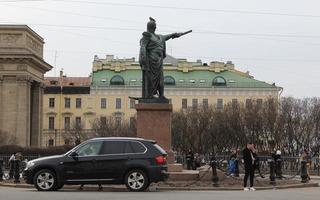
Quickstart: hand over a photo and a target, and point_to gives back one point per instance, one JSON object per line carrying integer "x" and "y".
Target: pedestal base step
{"x": 185, "y": 175}
{"x": 175, "y": 167}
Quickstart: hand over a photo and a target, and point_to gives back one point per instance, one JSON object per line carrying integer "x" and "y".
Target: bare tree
{"x": 110, "y": 126}
{"x": 76, "y": 132}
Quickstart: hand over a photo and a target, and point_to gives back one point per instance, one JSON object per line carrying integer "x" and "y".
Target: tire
{"x": 45, "y": 180}
{"x": 58, "y": 187}
{"x": 136, "y": 180}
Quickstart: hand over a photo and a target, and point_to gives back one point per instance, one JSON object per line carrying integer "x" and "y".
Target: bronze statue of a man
{"x": 152, "y": 53}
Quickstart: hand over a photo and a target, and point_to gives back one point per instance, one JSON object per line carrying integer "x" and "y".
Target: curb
{"x": 166, "y": 188}
{"x": 305, "y": 185}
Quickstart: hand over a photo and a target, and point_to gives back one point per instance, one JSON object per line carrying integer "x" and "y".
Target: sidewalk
{"x": 154, "y": 187}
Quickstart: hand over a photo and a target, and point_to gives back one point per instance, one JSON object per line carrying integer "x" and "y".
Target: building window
{"x": 132, "y": 122}
{"x": 51, "y": 123}
{"x": 67, "y": 102}
{"x": 78, "y": 102}
{"x": 184, "y": 103}
{"x": 67, "y": 123}
{"x": 51, "y": 142}
{"x": 117, "y": 80}
{"x": 132, "y": 103}
{"x": 78, "y": 122}
{"x": 234, "y": 102}
{"x": 103, "y": 103}
{"x": 53, "y": 82}
{"x": 67, "y": 141}
{"x": 118, "y": 120}
{"x": 118, "y": 103}
{"x": 51, "y": 102}
{"x": 219, "y": 81}
{"x": 194, "y": 103}
{"x": 103, "y": 120}
{"x": 248, "y": 103}
{"x": 205, "y": 103}
{"x": 169, "y": 80}
{"x": 219, "y": 103}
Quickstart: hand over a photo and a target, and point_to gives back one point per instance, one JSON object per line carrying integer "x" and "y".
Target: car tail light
{"x": 161, "y": 160}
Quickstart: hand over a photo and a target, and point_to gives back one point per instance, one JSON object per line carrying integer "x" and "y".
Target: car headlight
{"x": 29, "y": 164}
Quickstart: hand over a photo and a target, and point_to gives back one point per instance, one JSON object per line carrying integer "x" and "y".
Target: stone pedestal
{"x": 154, "y": 122}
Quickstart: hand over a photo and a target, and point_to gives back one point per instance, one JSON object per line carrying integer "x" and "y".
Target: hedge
{"x": 9, "y": 149}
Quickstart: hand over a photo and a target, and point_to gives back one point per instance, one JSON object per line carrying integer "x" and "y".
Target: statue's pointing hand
{"x": 176, "y": 35}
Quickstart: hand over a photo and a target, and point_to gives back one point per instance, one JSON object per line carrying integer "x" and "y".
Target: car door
{"x": 111, "y": 163}
{"x": 81, "y": 164}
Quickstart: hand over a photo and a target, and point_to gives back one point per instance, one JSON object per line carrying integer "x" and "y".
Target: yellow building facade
{"x": 78, "y": 101}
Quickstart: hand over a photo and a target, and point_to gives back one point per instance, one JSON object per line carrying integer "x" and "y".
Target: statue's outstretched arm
{"x": 171, "y": 36}
{"x": 175, "y": 35}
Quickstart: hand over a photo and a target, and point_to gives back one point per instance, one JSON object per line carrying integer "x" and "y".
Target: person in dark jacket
{"x": 248, "y": 159}
{"x": 190, "y": 158}
{"x": 256, "y": 161}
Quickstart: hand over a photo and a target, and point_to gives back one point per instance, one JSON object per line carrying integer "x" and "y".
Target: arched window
{"x": 219, "y": 81}
{"x": 117, "y": 80}
{"x": 169, "y": 80}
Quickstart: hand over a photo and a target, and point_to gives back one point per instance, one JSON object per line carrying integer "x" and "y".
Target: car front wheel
{"x": 136, "y": 180}
{"x": 45, "y": 180}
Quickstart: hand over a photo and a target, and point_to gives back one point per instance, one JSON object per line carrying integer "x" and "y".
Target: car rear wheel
{"x": 45, "y": 180}
{"x": 136, "y": 180}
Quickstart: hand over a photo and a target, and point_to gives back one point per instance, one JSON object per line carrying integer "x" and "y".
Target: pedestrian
{"x": 277, "y": 161}
{"x": 197, "y": 161}
{"x": 190, "y": 158}
{"x": 17, "y": 164}
{"x": 1, "y": 170}
{"x": 256, "y": 161}
{"x": 232, "y": 163}
{"x": 11, "y": 164}
{"x": 305, "y": 156}
{"x": 315, "y": 160}
{"x": 248, "y": 159}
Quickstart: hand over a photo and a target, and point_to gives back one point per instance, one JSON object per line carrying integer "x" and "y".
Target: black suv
{"x": 135, "y": 162}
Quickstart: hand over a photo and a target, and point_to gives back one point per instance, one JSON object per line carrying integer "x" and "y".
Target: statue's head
{"x": 151, "y": 26}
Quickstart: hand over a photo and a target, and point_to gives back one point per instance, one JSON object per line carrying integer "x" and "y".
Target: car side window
{"x": 113, "y": 147}
{"x": 137, "y": 147}
{"x": 90, "y": 149}
{"x": 128, "y": 148}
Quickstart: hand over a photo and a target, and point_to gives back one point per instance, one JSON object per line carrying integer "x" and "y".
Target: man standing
{"x": 17, "y": 165}
{"x": 248, "y": 166}
{"x": 152, "y": 53}
{"x": 190, "y": 158}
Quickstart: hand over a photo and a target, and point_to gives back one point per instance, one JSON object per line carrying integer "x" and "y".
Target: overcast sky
{"x": 276, "y": 40}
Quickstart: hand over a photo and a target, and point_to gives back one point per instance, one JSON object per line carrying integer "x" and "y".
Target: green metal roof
{"x": 191, "y": 79}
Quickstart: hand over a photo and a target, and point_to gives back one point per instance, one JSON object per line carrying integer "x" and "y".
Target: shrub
{"x": 9, "y": 149}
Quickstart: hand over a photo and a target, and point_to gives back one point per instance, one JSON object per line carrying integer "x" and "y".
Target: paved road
{"x": 31, "y": 194}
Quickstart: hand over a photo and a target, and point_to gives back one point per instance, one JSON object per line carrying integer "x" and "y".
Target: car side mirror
{"x": 74, "y": 155}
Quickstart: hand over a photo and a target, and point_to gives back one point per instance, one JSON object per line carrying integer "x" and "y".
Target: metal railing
{"x": 290, "y": 165}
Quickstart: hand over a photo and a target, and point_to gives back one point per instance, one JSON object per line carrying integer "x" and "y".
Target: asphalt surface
{"x": 32, "y": 194}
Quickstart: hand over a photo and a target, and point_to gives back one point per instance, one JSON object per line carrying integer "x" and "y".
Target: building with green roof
{"x": 106, "y": 92}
